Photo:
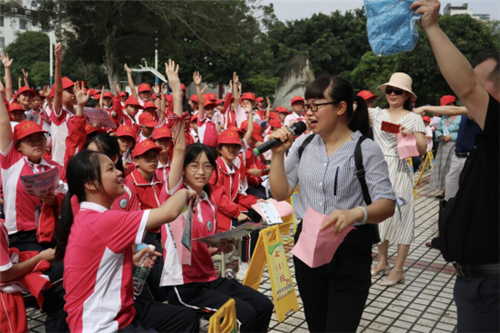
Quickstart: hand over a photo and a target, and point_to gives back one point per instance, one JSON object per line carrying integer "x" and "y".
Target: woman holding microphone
{"x": 334, "y": 294}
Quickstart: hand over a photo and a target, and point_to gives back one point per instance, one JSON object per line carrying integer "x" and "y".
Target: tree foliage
{"x": 31, "y": 52}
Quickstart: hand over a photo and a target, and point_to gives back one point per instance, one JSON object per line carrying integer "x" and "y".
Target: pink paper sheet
{"x": 317, "y": 247}
{"x": 407, "y": 146}
{"x": 283, "y": 208}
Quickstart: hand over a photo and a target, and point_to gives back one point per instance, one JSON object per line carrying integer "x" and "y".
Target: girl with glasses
{"x": 334, "y": 294}
{"x": 198, "y": 286}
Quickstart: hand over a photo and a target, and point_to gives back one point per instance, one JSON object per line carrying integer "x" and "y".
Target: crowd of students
{"x": 74, "y": 248}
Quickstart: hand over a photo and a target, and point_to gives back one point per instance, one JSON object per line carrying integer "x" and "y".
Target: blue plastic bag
{"x": 391, "y": 26}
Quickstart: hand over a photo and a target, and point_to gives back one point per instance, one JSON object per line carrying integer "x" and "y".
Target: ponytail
{"x": 360, "y": 120}
{"x": 84, "y": 167}
{"x": 63, "y": 227}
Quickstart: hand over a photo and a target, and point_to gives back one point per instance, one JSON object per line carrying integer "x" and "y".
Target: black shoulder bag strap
{"x": 360, "y": 173}
{"x": 304, "y": 144}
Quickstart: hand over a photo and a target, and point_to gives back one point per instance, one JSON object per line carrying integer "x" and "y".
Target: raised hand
{"x": 430, "y": 12}
{"x": 172, "y": 71}
{"x": 129, "y": 72}
{"x": 247, "y": 105}
{"x": 268, "y": 101}
{"x": 117, "y": 88}
{"x": 5, "y": 60}
{"x": 236, "y": 79}
{"x": 79, "y": 91}
{"x": 156, "y": 89}
{"x": 25, "y": 74}
{"x": 59, "y": 52}
{"x": 164, "y": 90}
{"x": 197, "y": 78}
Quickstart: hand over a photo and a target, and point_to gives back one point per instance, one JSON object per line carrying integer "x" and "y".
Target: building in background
{"x": 464, "y": 9}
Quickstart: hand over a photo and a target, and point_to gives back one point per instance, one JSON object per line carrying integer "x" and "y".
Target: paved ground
{"x": 423, "y": 304}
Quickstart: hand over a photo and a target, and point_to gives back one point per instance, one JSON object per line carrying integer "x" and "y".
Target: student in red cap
{"x": 148, "y": 185}
{"x": 102, "y": 282}
{"x": 368, "y": 97}
{"x": 255, "y": 165}
{"x": 29, "y": 219}
{"x": 162, "y": 136}
{"x": 207, "y": 130}
{"x": 298, "y": 110}
{"x": 198, "y": 286}
{"x": 193, "y": 130}
{"x": 17, "y": 112}
{"x": 148, "y": 125}
{"x": 143, "y": 93}
{"x": 259, "y": 104}
{"x": 132, "y": 107}
{"x": 63, "y": 109}
{"x": 107, "y": 100}
{"x": 126, "y": 137}
{"x": 151, "y": 108}
{"x": 282, "y": 113}
{"x": 123, "y": 97}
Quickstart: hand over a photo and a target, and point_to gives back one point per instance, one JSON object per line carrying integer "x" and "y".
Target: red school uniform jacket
{"x": 253, "y": 162}
{"x": 230, "y": 180}
{"x": 148, "y": 192}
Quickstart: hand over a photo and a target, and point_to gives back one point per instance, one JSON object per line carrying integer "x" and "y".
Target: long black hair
{"x": 337, "y": 90}
{"x": 82, "y": 168}
{"x": 109, "y": 146}
{"x": 192, "y": 154}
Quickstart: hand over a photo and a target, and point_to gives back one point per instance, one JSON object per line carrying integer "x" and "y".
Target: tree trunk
{"x": 111, "y": 64}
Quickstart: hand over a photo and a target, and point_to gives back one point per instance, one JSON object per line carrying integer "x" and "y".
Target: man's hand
{"x": 5, "y": 60}
{"x": 430, "y": 13}
{"x": 197, "y": 78}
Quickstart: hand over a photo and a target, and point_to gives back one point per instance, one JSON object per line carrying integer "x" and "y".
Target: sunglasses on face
{"x": 397, "y": 91}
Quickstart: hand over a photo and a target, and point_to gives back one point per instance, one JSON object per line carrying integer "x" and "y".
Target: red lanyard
{"x": 452, "y": 120}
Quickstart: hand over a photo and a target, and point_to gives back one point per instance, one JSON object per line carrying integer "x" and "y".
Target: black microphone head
{"x": 298, "y": 128}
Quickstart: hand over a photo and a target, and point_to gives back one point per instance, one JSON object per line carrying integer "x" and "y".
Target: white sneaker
{"x": 242, "y": 271}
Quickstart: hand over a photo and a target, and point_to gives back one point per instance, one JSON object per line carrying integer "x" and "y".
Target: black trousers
{"x": 248, "y": 242}
{"x": 334, "y": 295}
{"x": 477, "y": 301}
{"x": 257, "y": 191}
{"x": 53, "y": 302}
{"x": 158, "y": 317}
{"x": 253, "y": 309}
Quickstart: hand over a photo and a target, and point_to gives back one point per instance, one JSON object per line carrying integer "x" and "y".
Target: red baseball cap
{"x": 273, "y": 115}
{"x": 426, "y": 118}
{"x": 212, "y": 97}
{"x": 52, "y": 91}
{"x": 107, "y": 94}
{"x": 229, "y": 137}
{"x": 194, "y": 117}
{"x": 208, "y": 102}
{"x": 143, "y": 147}
{"x": 15, "y": 107}
{"x": 150, "y": 104}
{"x": 162, "y": 132}
{"x": 366, "y": 94}
{"x": 297, "y": 99}
{"x": 250, "y": 96}
{"x": 237, "y": 129}
{"x": 257, "y": 130}
{"x": 259, "y": 99}
{"x": 89, "y": 129}
{"x": 133, "y": 102}
{"x": 126, "y": 130}
{"x": 147, "y": 120}
{"x": 169, "y": 98}
{"x": 275, "y": 123}
{"x": 123, "y": 94}
{"x": 25, "y": 128}
{"x": 143, "y": 87}
{"x": 194, "y": 98}
{"x": 92, "y": 92}
{"x": 219, "y": 101}
{"x": 183, "y": 86}
{"x": 281, "y": 109}
{"x": 97, "y": 95}
{"x": 67, "y": 83}
{"x": 26, "y": 90}
{"x": 447, "y": 99}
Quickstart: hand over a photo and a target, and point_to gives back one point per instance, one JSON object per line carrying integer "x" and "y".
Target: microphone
{"x": 296, "y": 129}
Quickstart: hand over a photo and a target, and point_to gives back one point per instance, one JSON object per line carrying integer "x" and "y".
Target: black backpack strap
{"x": 304, "y": 144}
{"x": 360, "y": 171}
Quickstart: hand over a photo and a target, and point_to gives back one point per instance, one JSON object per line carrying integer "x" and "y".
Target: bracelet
{"x": 366, "y": 214}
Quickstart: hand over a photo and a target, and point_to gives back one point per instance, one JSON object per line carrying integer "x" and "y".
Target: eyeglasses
{"x": 194, "y": 167}
{"x": 397, "y": 91}
{"x": 315, "y": 106}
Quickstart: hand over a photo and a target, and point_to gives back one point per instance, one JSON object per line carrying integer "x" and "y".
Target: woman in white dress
{"x": 398, "y": 229}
